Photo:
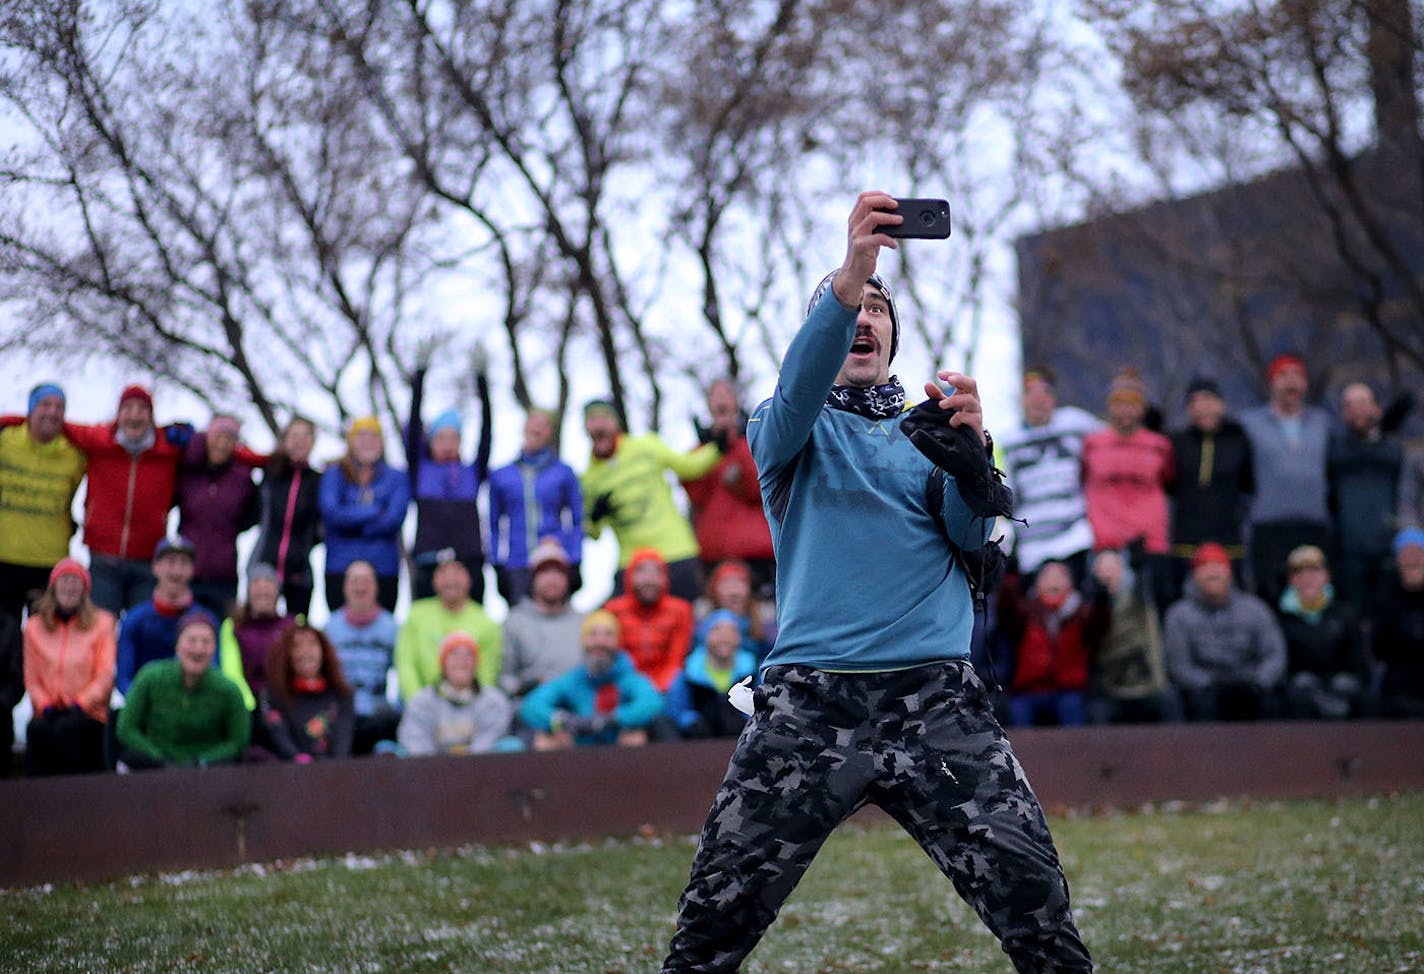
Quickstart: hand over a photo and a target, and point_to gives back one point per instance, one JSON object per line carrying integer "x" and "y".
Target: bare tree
{"x": 197, "y": 197}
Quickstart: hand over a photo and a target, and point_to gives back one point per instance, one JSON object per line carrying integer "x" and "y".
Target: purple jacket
{"x": 215, "y": 505}
{"x": 447, "y": 513}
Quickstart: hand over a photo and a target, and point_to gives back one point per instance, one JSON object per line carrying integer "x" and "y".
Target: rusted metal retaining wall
{"x": 99, "y": 826}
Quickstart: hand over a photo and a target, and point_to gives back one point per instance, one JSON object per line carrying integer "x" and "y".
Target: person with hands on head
{"x": 446, "y": 490}
{"x": 868, "y": 694}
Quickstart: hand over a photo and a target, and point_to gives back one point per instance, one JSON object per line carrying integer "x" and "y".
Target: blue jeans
{"x": 1065, "y": 708}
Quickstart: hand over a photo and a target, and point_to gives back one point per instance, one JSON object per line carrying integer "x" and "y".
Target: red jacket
{"x": 657, "y": 636}
{"x": 128, "y": 498}
{"x": 1053, "y": 648}
{"x": 726, "y": 508}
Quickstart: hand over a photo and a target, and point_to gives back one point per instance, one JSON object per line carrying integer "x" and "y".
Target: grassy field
{"x": 1310, "y": 886}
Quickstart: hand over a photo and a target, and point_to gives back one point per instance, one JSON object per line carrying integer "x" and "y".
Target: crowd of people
{"x": 1266, "y": 565}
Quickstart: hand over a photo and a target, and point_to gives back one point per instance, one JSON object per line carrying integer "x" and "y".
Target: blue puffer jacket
{"x": 544, "y": 483}
{"x": 364, "y": 523}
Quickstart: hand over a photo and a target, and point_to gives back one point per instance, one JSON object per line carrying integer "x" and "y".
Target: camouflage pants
{"x": 923, "y": 745}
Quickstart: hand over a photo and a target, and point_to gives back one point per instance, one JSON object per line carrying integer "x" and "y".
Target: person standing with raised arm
{"x": 868, "y": 694}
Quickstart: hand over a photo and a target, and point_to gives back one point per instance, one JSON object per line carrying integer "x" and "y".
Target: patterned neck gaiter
{"x": 875, "y": 402}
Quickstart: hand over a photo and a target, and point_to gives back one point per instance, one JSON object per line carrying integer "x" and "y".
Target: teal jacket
{"x": 639, "y": 702}
{"x": 863, "y": 524}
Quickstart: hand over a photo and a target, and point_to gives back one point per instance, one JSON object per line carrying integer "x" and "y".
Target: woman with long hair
{"x": 307, "y": 706}
{"x": 290, "y": 514}
{"x": 70, "y": 648}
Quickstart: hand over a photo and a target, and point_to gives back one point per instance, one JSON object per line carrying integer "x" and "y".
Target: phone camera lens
{"x": 927, "y": 218}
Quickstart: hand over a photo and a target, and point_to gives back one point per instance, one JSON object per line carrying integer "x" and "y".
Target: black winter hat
{"x": 875, "y": 281}
{"x": 1201, "y": 383}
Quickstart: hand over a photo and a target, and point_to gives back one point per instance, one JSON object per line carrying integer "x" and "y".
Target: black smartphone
{"x": 925, "y": 219}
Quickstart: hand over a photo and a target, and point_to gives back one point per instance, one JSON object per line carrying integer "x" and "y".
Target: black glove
{"x": 711, "y": 434}
{"x": 1397, "y": 412}
{"x": 985, "y": 567}
{"x": 958, "y": 451}
{"x": 602, "y": 507}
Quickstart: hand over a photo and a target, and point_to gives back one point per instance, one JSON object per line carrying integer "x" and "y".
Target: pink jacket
{"x": 1125, "y": 483}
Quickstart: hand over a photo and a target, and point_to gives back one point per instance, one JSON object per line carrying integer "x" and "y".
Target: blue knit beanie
{"x": 40, "y": 392}
{"x": 449, "y": 419}
{"x": 1408, "y": 537}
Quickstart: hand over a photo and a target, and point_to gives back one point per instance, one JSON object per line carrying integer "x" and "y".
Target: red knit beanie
{"x": 68, "y": 566}
{"x": 136, "y": 392}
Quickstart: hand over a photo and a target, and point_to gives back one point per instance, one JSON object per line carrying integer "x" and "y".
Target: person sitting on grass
{"x": 603, "y": 700}
{"x": 181, "y": 712}
{"x": 306, "y": 706}
{"x": 458, "y": 715}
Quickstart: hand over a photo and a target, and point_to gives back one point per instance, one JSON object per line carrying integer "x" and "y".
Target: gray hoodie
{"x": 442, "y": 720}
{"x": 1211, "y": 645}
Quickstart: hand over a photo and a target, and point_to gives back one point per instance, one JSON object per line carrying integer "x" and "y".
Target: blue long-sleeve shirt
{"x": 863, "y": 524}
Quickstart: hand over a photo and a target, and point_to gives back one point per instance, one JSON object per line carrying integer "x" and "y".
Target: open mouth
{"x": 862, "y": 346}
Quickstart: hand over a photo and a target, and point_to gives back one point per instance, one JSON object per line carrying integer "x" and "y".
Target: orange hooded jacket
{"x": 657, "y": 636}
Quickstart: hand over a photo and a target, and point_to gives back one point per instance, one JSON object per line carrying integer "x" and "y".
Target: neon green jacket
{"x": 417, "y": 656}
{"x": 637, "y": 498}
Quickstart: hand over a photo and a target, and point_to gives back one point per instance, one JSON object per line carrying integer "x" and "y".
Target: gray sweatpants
{"x": 923, "y": 745}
